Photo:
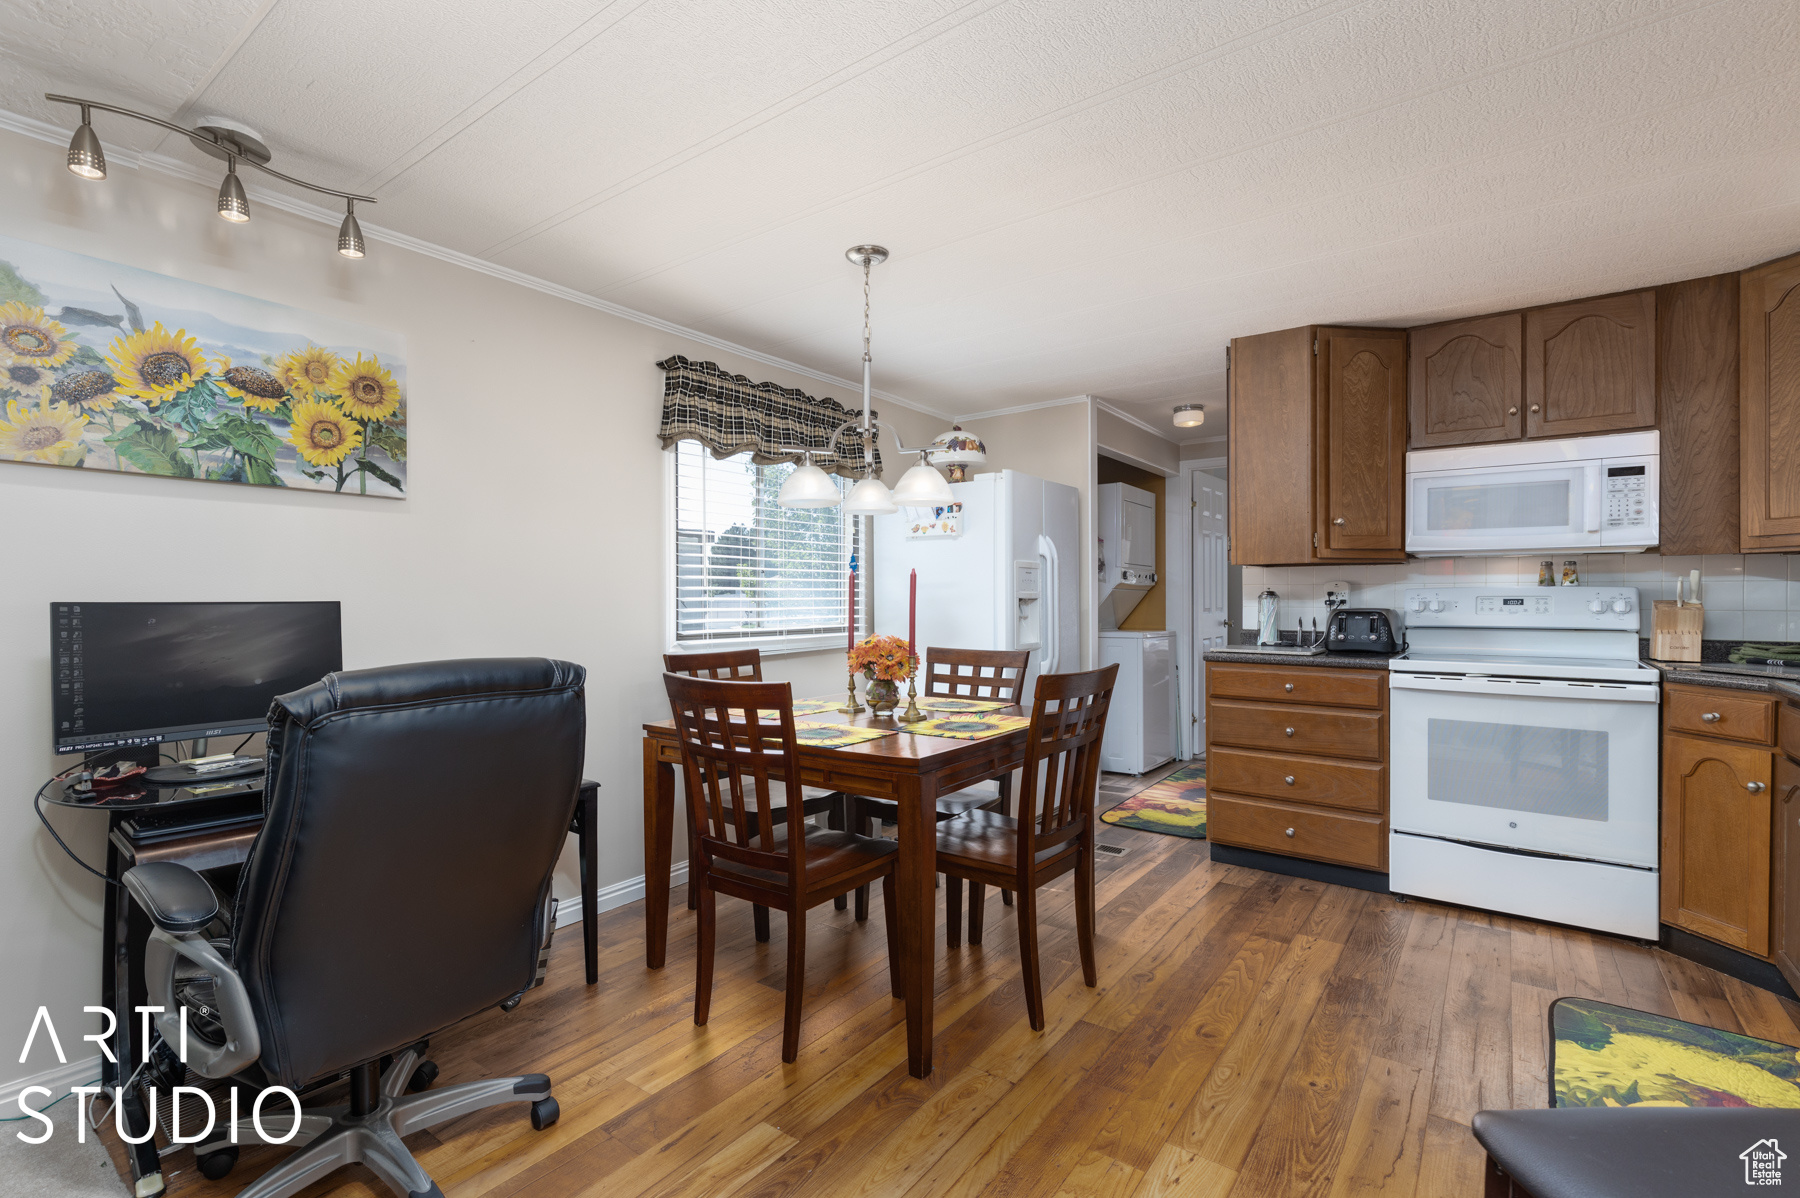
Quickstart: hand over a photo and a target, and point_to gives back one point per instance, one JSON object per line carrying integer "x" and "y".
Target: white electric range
{"x": 1523, "y": 755}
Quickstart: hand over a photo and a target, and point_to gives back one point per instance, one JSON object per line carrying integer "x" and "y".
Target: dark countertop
{"x": 1251, "y": 655}
{"x": 1716, "y": 669}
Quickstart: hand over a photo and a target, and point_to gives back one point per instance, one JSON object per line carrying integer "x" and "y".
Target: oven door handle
{"x": 1527, "y": 688}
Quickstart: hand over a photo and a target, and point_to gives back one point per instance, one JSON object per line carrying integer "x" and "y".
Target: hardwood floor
{"x": 1251, "y": 1035}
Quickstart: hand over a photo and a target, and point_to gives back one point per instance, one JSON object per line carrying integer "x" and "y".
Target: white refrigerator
{"x": 1010, "y": 580}
{"x": 1140, "y": 725}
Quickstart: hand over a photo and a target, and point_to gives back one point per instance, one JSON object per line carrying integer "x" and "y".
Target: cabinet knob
{"x": 1339, "y": 522}
{"x": 1290, "y": 833}
{"x": 1755, "y": 788}
{"x": 1290, "y": 731}
{"x": 1535, "y": 408}
{"x": 1289, "y": 779}
{"x": 1512, "y": 411}
{"x": 1711, "y": 717}
{"x": 1289, "y": 687}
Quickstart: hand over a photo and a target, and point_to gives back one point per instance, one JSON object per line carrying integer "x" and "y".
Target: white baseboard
{"x": 630, "y": 890}
{"x": 58, "y": 1080}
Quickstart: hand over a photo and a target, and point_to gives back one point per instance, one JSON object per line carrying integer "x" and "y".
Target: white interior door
{"x": 1212, "y": 622}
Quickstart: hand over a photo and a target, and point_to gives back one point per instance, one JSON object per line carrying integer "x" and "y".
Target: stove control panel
{"x": 1615, "y": 609}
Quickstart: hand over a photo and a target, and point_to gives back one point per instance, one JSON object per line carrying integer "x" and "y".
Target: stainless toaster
{"x": 1363, "y": 630}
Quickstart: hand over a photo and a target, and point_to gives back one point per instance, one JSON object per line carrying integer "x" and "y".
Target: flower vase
{"x": 882, "y": 695}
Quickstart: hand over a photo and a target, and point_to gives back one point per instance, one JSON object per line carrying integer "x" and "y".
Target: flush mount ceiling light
{"x": 1190, "y": 415}
{"x": 222, "y": 138}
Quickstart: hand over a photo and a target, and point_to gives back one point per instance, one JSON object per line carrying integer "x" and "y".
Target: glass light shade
{"x": 350, "y": 238}
{"x": 234, "y": 205}
{"x": 1190, "y": 415}
{"x": 869, "y": 498}
{"x": 956, "y": 448}
{"x": 922, "y": 486}
{"x": 85, "y": 157}
{"x": 808, "y": 487}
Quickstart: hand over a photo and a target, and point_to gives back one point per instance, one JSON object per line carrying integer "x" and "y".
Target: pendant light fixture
{"x": 1190, "y": 415}
{"x": 809, "y": 487}
{"x": 923, "y": 486}
{"x": 220, "y": 137}
{"x": 868, "y": 497}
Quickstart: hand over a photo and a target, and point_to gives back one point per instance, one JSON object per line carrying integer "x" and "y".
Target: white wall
{"x": 1753, "y": 596}
{"x": 533, "y": 524}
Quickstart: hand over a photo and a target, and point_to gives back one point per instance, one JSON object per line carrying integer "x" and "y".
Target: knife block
{"x": 1675, "y": 631}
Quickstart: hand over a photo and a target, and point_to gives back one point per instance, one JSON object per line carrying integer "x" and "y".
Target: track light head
{"x": 234, "y": 205}
{"x": 86, "y": 160}
{"x": 350, "y": 238}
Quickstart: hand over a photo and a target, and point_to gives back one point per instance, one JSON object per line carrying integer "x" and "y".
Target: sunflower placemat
{"x": 1176, "y": 806}
{"x": 1603, "y": 1055}
{"x": 816, "y": 706}
{"x": 970, "y": 727}
{"x": 832, "y": 736}
{"x": 948, "y": 703}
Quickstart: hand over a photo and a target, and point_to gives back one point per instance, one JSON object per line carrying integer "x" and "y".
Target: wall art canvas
{"x": 107, "y": 367}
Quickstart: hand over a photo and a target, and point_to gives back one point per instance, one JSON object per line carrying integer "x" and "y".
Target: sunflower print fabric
{"x": 832, "y": 736}
{"x": 971, "y": 727}
{"x": 199, "y": 384}
{"x": 1603, "y": 1055}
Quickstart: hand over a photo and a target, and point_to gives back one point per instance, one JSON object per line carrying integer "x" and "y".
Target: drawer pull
{"x": 1289, "y": 687}
{"x": 1711, "y": 717}
{"x": 1290, "y": 833}
{"x": 1289, "y": 731}
{"x": 1289, "y": 779}
{"x": 1755, "y": 788}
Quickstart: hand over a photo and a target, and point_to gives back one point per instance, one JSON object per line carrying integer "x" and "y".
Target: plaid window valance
{"x": 729, "y": 415}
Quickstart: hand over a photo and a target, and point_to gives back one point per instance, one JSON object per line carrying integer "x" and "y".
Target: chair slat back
{"x": 1062, "y": 758}
{"x": 728, "y": 665}
{"x": 997, "y": 674}
{"x": 732, "y": 755}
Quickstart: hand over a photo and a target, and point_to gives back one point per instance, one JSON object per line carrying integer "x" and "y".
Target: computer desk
{"x": 126, "y": 930}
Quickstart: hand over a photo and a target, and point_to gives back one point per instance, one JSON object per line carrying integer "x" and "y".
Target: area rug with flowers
{"x": 1602, "y": 1055}
{"x": 1176, "y": 806}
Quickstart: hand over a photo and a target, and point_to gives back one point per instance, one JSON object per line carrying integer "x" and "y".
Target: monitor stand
{"x": 181, "y": 775}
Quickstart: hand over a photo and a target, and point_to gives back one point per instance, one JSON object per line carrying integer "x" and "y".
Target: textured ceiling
{"x": 1081, "y": 198}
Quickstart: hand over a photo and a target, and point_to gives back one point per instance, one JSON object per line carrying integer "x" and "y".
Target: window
{"x": 747, "y": 569}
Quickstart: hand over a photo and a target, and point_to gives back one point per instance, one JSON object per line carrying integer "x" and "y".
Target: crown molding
{"x": 1024, "y": 407}
{"x": 1128, "y": 418}
{"x": 163, "y": 164}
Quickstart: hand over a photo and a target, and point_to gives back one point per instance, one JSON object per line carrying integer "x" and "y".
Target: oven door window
{"x": 1519, "y": 767}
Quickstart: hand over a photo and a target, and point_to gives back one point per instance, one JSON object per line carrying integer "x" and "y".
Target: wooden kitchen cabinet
{"x": 1769, "y": 405}
{"x": 1717, "y": 823}
{"x": 1317, "y": 446}
{"x": 1590, "y": 366}
{"x": 1787, "y": 868}
{"x": 1300, "y": 772}
{"x": 1466, "y": 382}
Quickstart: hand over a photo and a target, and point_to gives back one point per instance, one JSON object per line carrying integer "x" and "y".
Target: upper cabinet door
{"x": 1362, "y": 458}
{"x": 1769, "y": 404}
{"x": 1590, "y": 366}
{"x": 1467, "y": 381}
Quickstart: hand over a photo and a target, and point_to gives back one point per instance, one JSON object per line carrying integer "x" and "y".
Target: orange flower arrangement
{"x": 882, "y": 658}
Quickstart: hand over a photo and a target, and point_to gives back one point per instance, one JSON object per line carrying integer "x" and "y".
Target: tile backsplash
{"x": 1754, "y": 597}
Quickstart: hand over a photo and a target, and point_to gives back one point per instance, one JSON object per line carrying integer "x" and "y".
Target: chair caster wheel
{"x": 544, "y": 1112}
{"x": 216, "y": 1165}
{"x": 422, "y": 1077}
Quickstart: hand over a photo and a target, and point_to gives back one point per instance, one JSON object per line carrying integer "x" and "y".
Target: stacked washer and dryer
{"x": 1140, "y": 727}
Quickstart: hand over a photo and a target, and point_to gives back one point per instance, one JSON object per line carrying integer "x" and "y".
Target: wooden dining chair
{"x": 745, "y": 665}
{"x": 733, "y": 757}
{"x": 1054, "y": 831}
{"x": 996, "y": 675}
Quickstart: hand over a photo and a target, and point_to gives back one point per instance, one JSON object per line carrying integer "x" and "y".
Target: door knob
{"x": 1289, "y": 687}
{"x": 1290, "y": 833}
{"x": 1290, "y": 731}
{"x": 1512, "y": 411}
{"x": 1535, "y": 407}
{"x": 1755, "y": 788}
{"x": 1289, "y": 779}
{"x": 1339, "y": 522}
{"x": 1711, "y": 717}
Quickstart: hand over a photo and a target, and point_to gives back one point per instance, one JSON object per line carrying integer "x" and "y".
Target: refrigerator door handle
{"x": 1051, "y": 637}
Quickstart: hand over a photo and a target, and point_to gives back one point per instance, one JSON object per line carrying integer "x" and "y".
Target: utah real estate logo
{"x": 1762, "y": 1163}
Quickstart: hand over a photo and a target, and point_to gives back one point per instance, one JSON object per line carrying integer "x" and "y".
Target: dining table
{"x": 908, "y": 769}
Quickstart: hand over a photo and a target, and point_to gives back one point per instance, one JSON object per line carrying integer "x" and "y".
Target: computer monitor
{"x": 127, "y": 674}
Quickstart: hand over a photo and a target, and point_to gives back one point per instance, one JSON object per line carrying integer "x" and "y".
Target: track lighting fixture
{"x": 220, "y": 138}
{"x": 85, "y": 156}
{"x": 350, "y": 242}
{"x": 234, "y": 205}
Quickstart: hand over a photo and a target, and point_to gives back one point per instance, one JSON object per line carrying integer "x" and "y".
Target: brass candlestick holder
{"x": 851, "y": 706}
{"x": 912, "y": 714}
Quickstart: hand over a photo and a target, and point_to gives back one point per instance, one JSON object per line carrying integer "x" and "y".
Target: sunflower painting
{"x": 105, "y": 367}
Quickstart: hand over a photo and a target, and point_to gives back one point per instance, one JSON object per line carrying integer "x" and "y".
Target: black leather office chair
{"x": 401, "y": 883}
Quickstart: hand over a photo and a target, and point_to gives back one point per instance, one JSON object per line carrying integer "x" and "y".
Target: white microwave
{"x": 1594, "y": 494}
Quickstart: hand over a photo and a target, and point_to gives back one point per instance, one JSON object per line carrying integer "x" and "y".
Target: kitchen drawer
{"x": 1316, "y": 730}
{"x": 1712, "y": 711}
{"x": 1294, "y": 831}
{"x": 1296, "y": 779}
{"x": 1321, "y": 685}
